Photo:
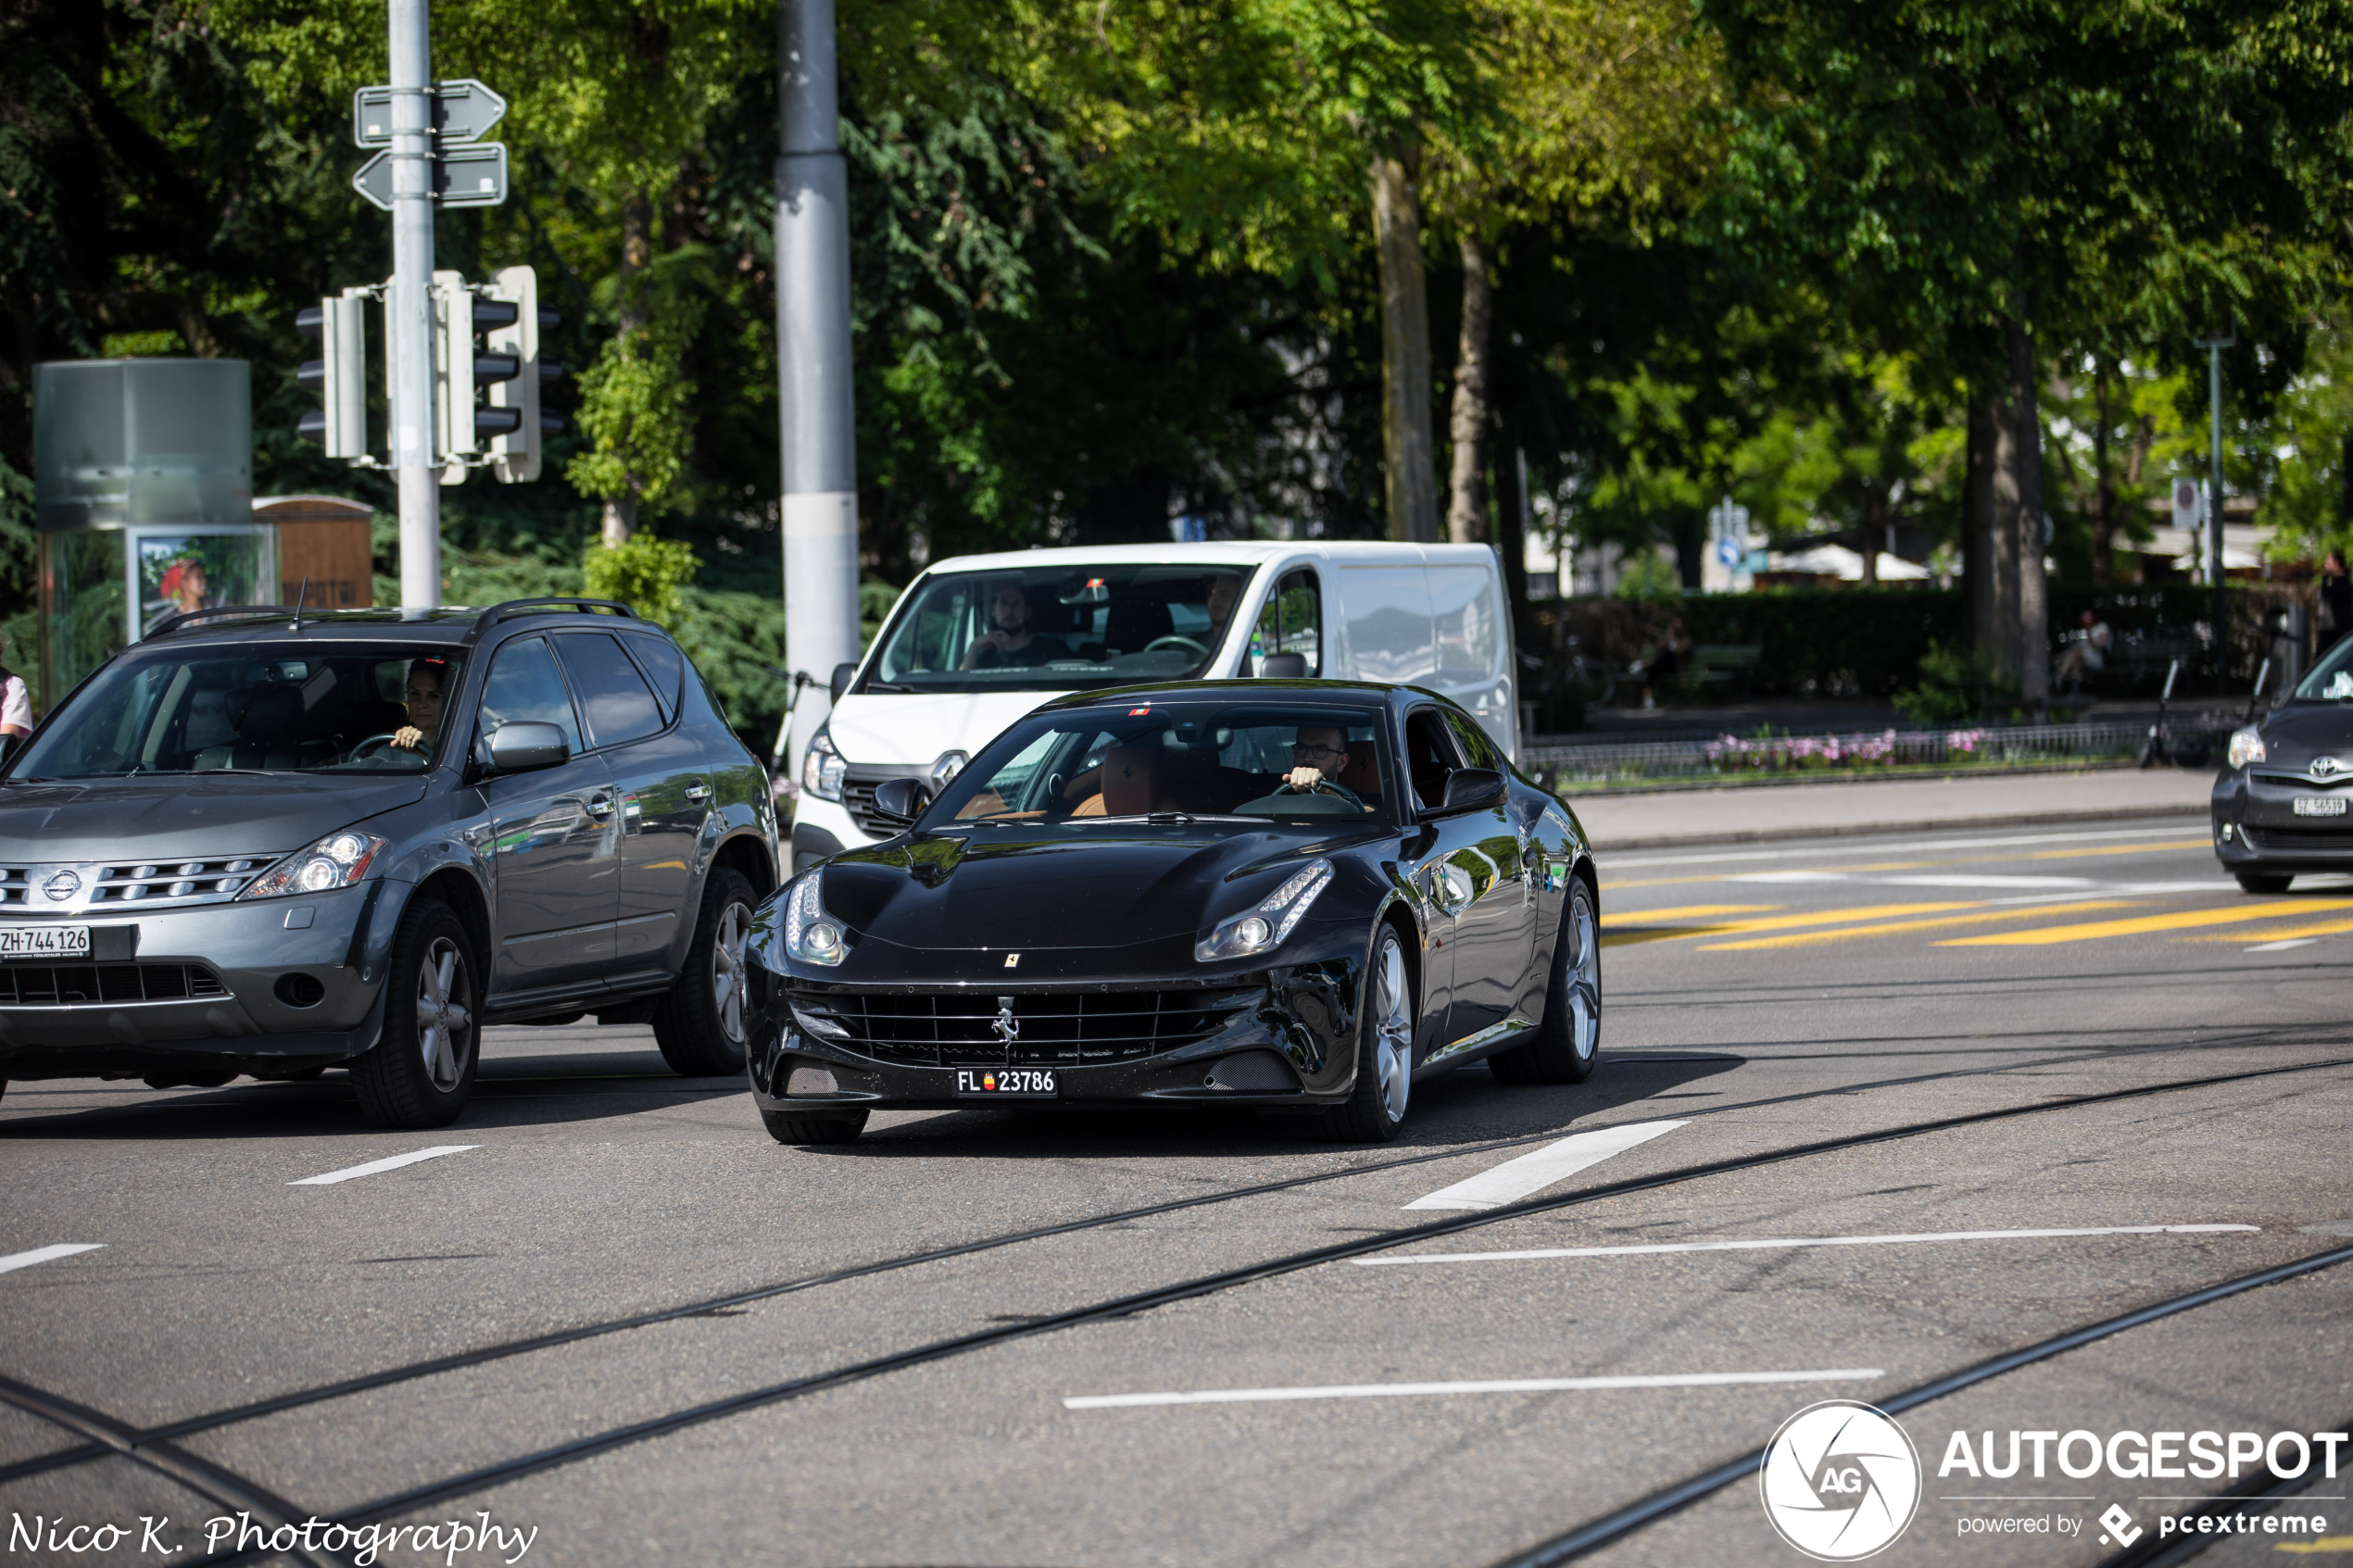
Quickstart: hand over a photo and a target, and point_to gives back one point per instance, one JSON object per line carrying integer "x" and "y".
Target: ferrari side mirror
{"x": 901, "y": 801}
{"x": 1467, "y": 789}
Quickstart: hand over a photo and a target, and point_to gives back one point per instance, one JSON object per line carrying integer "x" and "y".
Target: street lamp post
{"x": 2214, "y": 346}
{"x": 408, "y": 307}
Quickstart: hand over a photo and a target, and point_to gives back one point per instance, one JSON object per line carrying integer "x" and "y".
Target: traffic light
{"x": 515, "y": 452}
{"x": 339, "y": 375}
{"x": 486, "y": 396}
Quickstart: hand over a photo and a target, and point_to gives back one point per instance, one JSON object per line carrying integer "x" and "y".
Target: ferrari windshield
{"x": 252, "y": 708}
{"x": 1061, "y": 628}
{"x": 1247, "y": 763}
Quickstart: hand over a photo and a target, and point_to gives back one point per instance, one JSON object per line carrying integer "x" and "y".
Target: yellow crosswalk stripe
{"x": 1726, "y": 876}
{"x": 1923, "y": 865}
{"x": 1895, "y": 928}
{"x": 2180, "y": 920}
{"x": 1683, "y": 912}
{"x": 2279, "y": 933}
{"x": 1628, "y": 936}
{"x": 2117, "y": 850}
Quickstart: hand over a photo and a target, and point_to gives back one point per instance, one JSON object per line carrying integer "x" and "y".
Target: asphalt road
{"x": 236, "y": 1332}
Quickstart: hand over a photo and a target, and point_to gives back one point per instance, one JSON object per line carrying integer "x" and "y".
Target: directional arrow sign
{"x": 463, "y": 110}
{"x": 470, "y": 174}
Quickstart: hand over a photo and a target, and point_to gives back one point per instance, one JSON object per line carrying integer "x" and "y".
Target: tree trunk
{"x": 1466, "y": 503}
{"x": 1410, "y": 481}
{"x": 2031, "y": 623}
{"x": 636, "y": 255}
{"x": 1510, "y": 527}
{"x": 1980, "y": 536}
{"x": 2103, "y": 482}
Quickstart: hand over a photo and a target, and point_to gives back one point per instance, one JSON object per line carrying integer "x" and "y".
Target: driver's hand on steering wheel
{"x": 408, "y": 738}
{"x": 1303, "y": 778}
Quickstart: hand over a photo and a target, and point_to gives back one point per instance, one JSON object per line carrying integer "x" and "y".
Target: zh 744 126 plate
{"x": 2320, "y": 806}
{"x": 1006, "y": 1083}
{"x": 45, "y": 941}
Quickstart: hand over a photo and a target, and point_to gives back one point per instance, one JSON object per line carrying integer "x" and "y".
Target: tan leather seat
{"x": 1131, "y": 780}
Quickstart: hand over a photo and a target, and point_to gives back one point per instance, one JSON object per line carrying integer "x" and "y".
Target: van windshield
{"x": 1063, "y": 628}
{"x": 203, "y": 708}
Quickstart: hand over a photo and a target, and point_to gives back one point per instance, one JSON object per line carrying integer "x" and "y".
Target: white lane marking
{"x": 2281, "y": 946}
{"x": 1514, "y": 1179}
{"x": 1987, "y": 879}
{"x": 1489, "y": 1386}
{"x": 2155, "y": 828}
{"x": 374, "y": 1166}
{"x": 43, "y": 1254}
{"x": 1653, "y": 1248}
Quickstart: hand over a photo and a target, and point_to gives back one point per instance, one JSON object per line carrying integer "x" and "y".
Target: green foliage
{"x": 1649, "y": 576}
{"x": 1954, "y": 685}
{"x": 644, "y": 572}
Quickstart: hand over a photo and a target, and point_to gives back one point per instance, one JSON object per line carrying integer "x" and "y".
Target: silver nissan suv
{"x": 266, "y": 842}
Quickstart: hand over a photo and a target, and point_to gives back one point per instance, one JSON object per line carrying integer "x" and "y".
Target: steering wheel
{"x": 1322, "y": 786}
{"x": 355, "y": 752}
{"x": 1159, "y": 643}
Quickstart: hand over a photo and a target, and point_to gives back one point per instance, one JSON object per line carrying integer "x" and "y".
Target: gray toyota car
{"x": 264, "y": 842}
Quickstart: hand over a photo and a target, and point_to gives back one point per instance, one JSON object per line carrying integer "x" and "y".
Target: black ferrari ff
{"x": 1294, "y": 895}
{"x": 2280, "y": 806}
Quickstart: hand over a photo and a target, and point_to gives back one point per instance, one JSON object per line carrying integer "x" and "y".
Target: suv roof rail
{"x": 497, "y": 613}
{"x": 188, "y": 618}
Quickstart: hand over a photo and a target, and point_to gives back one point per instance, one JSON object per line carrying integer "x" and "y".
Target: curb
{"x": 1729, "y": 783}
{"x": 1882, "y": 830}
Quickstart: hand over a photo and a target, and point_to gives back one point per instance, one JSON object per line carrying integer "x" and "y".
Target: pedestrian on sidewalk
{"x": 2085, "y": 654}
{"x": 2336, "y": 602}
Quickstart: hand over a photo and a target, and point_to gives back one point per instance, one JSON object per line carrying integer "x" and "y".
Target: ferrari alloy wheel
{"x": 1384, "y": 1048}
{"x": 421, "y": 1072}
{"x": 1570, "y": 1041}
{"x": 700, "y": 1022}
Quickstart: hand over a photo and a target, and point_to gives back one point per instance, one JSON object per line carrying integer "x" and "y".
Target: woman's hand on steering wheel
{"x": 1172, "y": 639}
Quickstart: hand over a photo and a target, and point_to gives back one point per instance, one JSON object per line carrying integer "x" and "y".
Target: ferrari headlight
{"x": 2247, "y": 745}
{"x": 337, "y": 860}
{"x": 822, "y": 767}
{"x": 1263, "y": 928}
{"x": 810, "y": 935}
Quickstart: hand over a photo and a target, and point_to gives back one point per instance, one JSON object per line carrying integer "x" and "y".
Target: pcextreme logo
{"x": 1841, "y": 1481}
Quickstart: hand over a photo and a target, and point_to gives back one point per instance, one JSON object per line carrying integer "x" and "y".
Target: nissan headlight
{"x": 810, "y": 935}
{"x": 2247, "y": 746}
{"x": 337, "y": 860}
{"x": 822, "y": 767}
{"x": 1263, "y": 927}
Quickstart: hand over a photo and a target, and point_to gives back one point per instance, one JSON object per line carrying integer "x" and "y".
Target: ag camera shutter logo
{"x": 1841, "y": 1481}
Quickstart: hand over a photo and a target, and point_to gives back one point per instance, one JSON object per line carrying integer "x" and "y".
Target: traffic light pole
{"x": 408, "y": 307}
{"x": 819, "y": 512}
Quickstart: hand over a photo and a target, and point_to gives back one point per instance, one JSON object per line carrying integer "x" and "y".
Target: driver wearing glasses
{"x": 1320, "y": 752}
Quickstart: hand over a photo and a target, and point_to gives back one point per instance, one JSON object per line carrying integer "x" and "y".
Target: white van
{"x": 978, "y": 641}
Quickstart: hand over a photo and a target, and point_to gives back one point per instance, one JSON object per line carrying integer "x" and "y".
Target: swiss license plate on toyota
{"x": 1006, "y": 1083}
{"x": 2320, "y": 806}
{"x": 45, "y": 941}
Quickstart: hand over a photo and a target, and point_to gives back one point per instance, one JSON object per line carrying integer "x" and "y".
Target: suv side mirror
{"x": 1470, "y": 788}
{"x": 843, "y": 675}
{"x": 522, "y": 745}
{"x": 901, "y": 801}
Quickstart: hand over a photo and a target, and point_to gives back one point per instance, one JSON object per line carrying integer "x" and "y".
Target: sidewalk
{"x": 1837, "y": 811}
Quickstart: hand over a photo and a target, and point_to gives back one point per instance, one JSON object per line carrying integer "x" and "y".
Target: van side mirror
{"x": 901, "y": 801}
{"x": 1283, "y": 667}
{"x": 524, "y": 745}
{"x": 1467, "y": 789}
{"x": 843, "y": 675}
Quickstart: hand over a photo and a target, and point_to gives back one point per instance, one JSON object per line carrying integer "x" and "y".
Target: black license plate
{"x": 1006, "y": 1083}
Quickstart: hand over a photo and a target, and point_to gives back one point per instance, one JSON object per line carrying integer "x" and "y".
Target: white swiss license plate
{"x": 1006, "y": 1083}
{"x": 2320, "y": 806}
{"x": 45, "y": 941}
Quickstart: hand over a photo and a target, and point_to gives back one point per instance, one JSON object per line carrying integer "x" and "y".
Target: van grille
{"x": 1070, "y": 1028}
{"x": 104, "y": 985}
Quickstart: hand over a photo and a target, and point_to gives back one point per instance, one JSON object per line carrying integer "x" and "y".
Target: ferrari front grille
{"x": 987, "y": 1029}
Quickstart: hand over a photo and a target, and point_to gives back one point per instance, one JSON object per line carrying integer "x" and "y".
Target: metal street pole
{"x": 408, "y": 307}
{"x": 2214, "y": 346}
{"x": 820, "y": 513}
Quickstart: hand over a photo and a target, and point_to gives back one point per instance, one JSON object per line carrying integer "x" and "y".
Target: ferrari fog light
{"x": 2247, "y": 746}
{"x": 811, "y": 1081}
{"x": 811, "y": 935}
{"x": 1266, "y": 927}
{"x": 337, "y": 860}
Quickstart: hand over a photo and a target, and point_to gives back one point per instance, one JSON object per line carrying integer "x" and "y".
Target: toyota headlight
{"x": 810, "y": 935}
{"x": 1263, "y": 927}
{"x": 2247, "y": 746}
{"x": 337, "y": 860}
{"x": 822, "y": 767}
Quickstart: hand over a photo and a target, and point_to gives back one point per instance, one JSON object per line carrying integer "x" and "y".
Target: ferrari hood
{"x": 1000, "y": 888}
